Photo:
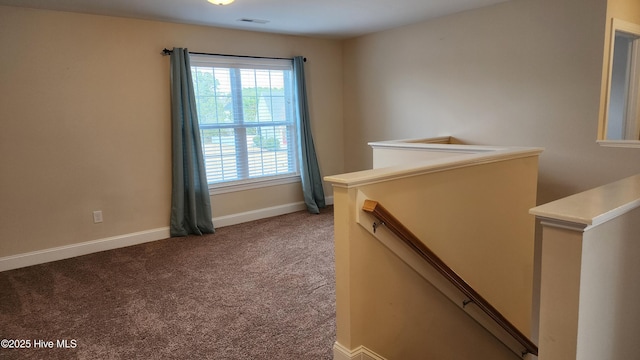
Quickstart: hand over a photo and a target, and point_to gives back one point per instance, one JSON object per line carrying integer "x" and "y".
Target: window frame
{"x": 240, "y": 126}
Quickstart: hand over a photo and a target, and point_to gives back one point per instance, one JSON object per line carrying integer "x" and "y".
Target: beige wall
{"x": 628, "y": 10}
{"x": 524, "y": 73}
{"x": 475, "y": 218}
{"x": 387, "y": 307}
{"x": 85, "y": 122}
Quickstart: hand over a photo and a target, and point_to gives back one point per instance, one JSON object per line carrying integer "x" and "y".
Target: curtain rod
{"x": 166, "y": 51}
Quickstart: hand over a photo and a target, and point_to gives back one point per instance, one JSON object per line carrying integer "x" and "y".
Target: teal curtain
{"x": 309, "y": 170}
{"x": 190, "y": 201}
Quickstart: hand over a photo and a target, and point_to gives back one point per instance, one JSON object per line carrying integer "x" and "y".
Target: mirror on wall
{"x": 621, "y": 123}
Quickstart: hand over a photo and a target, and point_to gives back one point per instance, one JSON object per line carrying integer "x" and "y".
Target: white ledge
{"x": 593, "y": 207}
{"x": 435, "y": 144}
{"x": 465, "y": 159}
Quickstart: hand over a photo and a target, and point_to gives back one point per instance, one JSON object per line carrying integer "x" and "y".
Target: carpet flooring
{"x": 259, "y": 290}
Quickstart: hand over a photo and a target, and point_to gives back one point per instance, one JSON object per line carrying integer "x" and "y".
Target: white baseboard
{"x": 360, "y": 353}
{"x": 240, "y": 218}
{"x": 115, "y": 242}
{"x": 233, "y": 219}
{"x": 79, "y": 249}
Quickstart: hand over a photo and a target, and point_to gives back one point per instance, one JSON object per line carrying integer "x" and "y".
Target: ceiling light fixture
{"x": 221, "y": 2}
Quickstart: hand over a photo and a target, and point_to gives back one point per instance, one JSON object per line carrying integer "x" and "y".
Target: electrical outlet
{"x": 97, "y": 216}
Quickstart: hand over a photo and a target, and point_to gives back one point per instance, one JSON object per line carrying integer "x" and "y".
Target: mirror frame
{"x": 617, "y": 25}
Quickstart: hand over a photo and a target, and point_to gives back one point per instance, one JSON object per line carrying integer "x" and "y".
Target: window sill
{"x": 223, "y": 188}
{"x": 620, "y": 143}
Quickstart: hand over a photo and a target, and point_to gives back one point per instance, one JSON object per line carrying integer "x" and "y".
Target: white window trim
{"x": 261, "y": 182}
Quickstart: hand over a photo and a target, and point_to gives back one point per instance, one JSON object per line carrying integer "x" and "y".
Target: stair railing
{"x": 398, "y": 229}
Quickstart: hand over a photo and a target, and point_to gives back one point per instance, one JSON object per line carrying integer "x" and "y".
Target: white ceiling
{"x": 324, "y": 18}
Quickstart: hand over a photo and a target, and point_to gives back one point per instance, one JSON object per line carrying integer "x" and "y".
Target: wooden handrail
{"x": 397, "y": 228}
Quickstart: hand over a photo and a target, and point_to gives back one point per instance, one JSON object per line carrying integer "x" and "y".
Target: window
{"x": 247, "y": 119}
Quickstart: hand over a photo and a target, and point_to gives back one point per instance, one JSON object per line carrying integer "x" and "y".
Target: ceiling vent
{"x": 254, "y": 21}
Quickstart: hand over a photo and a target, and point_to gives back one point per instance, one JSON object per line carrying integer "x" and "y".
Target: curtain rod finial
{"x": 166, "y": 51}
